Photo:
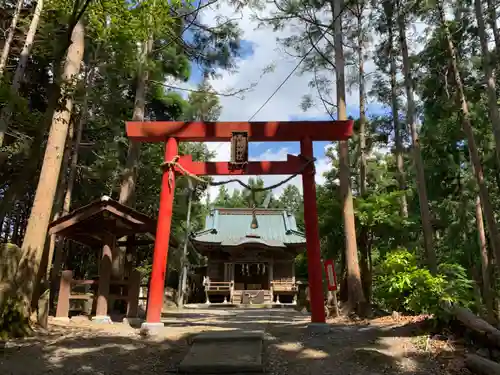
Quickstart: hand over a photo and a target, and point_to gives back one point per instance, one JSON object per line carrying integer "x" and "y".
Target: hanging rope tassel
{"x": 169, "y": 167}
{"x": 254, "y": 224}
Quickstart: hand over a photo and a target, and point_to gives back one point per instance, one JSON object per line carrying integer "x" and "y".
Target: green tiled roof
{"x": 232, "y": 227}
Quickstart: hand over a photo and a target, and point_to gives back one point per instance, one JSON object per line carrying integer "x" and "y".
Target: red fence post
{"x": 157, "y": 285}
{"x": 314, "y": 268}
{"x": 62, "y": 310}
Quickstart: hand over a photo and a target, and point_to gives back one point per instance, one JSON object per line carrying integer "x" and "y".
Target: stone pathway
{"x": 289, "y": 347}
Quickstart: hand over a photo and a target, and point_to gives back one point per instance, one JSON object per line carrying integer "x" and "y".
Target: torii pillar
{"x": 172, "y": 132}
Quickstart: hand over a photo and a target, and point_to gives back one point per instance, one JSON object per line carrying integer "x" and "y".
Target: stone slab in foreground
{"x": 224, "y": 352}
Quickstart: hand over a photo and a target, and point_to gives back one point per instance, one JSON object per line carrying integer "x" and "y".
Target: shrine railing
{"x": 284, "y": 286}
{"x": 219, "y": 286}
{"x": 67, "y": 294}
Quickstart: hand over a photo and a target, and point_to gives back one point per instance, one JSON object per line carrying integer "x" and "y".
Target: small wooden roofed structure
{"x": 98, "y": 225}
{"x": 90, "y": 224}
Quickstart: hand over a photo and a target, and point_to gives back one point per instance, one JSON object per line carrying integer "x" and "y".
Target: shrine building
{"x": 250, "y": 255}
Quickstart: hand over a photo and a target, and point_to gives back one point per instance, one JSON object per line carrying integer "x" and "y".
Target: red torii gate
{"x": 172, "y": 132}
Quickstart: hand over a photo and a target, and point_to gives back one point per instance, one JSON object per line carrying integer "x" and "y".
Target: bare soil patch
{"x": 379, "y": 346}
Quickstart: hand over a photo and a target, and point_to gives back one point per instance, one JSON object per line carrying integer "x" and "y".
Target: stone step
{"x": 228, "y": 336}
{"x": 226, "y": 352}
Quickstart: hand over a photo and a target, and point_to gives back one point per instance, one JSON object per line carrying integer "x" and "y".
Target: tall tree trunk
{"x": 84, "y": 116}
{"x": 397, "y": 124}
{"x": 362, "y": 112}
{"x": 471, "y": 142}
{"x": 366, "y": 277}
{"x": 10, "y": 37}
{"x": 6, "y": 113}
{"x": 56, "y": 242}
{"x": 356, "y": 296}
{"x": 417, "y": 157}
{"x": 487, "y": 292}
{"x": 66, "y": 201}
{"x": 74, "y": 157}
{"x": 60, "y": 193}
{"x": 46, "y": 264}
{"x": 489, "y": 78}
{"x": 492, "y": 21}
{"x": 36, "y": 231}
{"x": 129, "y": 181}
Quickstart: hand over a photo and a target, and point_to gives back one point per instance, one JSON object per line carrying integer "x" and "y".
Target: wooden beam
{"x": 481, "y": 366}
{"x": 73, "y": 218}
{"x": 292, "y": 165}
{"x": 474, "y": 323}
{"x": 277, "y": 131}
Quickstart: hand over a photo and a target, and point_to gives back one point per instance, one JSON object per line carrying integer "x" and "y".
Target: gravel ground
{"x": 81, "y": 347}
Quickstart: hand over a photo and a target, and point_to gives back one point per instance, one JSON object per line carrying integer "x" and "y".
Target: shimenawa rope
{"x": 175, "y": 163}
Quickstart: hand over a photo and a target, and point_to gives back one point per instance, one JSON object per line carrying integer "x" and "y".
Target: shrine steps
{"x": 223, "y": 306}
{"x": 265, "y": 297}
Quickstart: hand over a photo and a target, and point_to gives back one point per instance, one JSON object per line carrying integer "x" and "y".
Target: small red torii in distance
{"x": 171, "y": 132}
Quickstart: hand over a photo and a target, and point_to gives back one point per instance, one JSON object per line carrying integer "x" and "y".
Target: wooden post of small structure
{"x": 105, "y": 279}
{"x": 133, "y": 294}
{"x": 62, "y": 311}
{"x": 131, "y": 255}
{"x": 271, "y": 279}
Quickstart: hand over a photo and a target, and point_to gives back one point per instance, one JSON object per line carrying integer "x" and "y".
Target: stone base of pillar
{"x": 62, "y": 319}
{"x": 318, "y": 327}
{"x": 133, "y": 322}
{"x": 151, "y": 328}
{"x": 102, "y": 319}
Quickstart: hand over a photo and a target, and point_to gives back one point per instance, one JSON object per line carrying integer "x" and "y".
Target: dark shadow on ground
{"x": 290, "y": 349}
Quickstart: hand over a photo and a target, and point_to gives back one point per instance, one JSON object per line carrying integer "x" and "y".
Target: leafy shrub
{"x": 401, "y": 285}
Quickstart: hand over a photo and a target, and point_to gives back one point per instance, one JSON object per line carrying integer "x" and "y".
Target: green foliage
{"x": 107, "y": 85}
{"x": 246, "y": 198}
{"x": 203, "y": 104}
{"x": 402, "y": 285}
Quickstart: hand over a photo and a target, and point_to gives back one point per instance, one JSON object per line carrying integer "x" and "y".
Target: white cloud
{"x": 267, "y": 51}
{"x": 285, "y": 103}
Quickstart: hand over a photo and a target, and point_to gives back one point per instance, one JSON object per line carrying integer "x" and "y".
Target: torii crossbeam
{"x": 172, "y": 132}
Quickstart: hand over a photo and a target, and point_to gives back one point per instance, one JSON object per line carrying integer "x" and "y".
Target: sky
{"x": 260, "y": 49}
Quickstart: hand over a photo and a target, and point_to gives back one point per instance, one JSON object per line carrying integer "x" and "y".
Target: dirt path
{"x": 83, "y": 348}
